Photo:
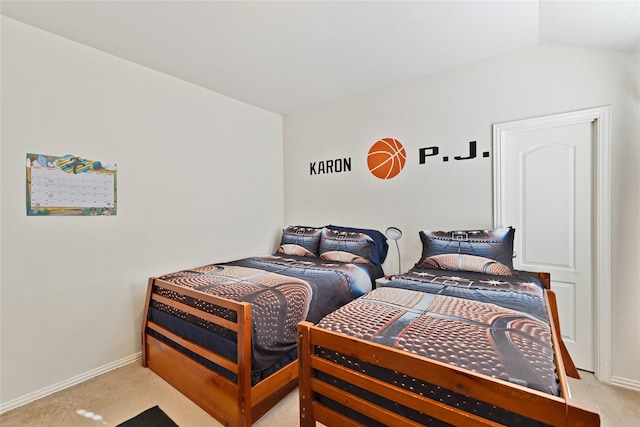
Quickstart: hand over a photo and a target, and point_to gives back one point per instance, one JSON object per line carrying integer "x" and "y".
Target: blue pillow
{"x": 380, "y": 245}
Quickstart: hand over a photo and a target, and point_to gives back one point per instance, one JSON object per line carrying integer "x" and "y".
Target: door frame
{"x": 600, "y": 119}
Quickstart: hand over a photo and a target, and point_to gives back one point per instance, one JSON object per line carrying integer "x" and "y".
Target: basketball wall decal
{"x": 386, "y": 158}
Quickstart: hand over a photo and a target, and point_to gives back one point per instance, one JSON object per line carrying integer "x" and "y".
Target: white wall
{"x": 449, "y": 110}
{"x": 200, "y": 179}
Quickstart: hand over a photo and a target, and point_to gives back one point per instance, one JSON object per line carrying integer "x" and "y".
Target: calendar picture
{"x": 70, "y": 185}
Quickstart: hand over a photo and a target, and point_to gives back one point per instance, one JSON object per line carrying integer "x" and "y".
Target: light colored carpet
{"x": 125, "y": 392}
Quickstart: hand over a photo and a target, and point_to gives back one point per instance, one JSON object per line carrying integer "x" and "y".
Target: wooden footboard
{"x": 525, "y": 402}
{"x": 232, "y": 403}
{"x": 555, "y": 411}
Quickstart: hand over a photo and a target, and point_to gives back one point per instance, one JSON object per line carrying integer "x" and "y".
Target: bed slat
{"x": 396, "y": 394}
{"x": 211, "y": 299}
{"x": 329, "y": 417}
{"x": 210, "y": 317}
{"x": 201, "y": 351}
{"x": 356, "y": 403}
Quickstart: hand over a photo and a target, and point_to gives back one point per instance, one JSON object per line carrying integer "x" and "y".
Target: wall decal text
{"x": 330, "y": 166}
{"x": 434, "y": 151}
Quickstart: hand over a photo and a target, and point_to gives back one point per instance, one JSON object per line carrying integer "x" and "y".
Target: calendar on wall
{"x": 70, "y": 185}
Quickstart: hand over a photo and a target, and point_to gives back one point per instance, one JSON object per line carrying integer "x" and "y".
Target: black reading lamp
{"x": 394, "y": 233}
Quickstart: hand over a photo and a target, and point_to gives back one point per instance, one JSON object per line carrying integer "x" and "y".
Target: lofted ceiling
{"x": 287, "y": 56}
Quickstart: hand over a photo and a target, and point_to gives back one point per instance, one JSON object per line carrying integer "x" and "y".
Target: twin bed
{"x": 460, "y": 339}
{"x": 225, "y": 334}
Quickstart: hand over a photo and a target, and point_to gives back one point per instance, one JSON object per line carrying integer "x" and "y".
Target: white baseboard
{"x": 626, "y": 383}
{"x": 6, "y": 406}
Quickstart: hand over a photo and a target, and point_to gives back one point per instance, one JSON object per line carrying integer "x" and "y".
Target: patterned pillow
{"x": 345, "y": 246}
{"x": 298, "y": 240}
{"x": 461, "y": 262}
{"x": 493, "y": 244}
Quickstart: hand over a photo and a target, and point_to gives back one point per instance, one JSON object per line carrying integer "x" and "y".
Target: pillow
{"x": 461, "y": 262}
{"x": 493, "y": 244}
{"x": 380, "y": 246}
{"x": 345, "y": 246}
{"x": 301, "y": 241}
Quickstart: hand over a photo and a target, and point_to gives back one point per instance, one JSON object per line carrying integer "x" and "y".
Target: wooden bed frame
{"x": 231, "y": 403}
{"x": 552, "y": 410}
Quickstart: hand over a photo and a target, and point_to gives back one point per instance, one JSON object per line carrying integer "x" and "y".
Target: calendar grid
{"x": 70, "y": 185}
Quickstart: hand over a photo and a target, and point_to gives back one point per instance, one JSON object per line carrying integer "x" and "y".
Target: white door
{"x": 546, "y": 185}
